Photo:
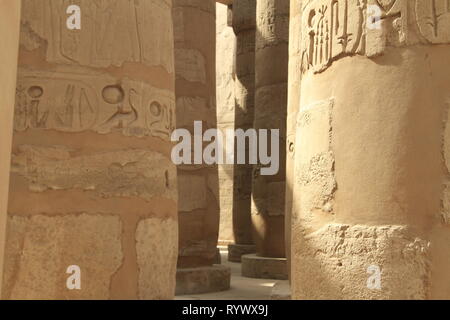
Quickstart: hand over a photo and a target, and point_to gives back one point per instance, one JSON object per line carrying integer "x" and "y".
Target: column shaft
{"x": 9, "y": 33}
{"x": 244, "y": 24}
{"x": 195, "y": 39}
{"x": 92, "y": 181}
{"x": 370, "y": 211}
{"x": 271, "y": 74}
{"x": 293, "y": 104}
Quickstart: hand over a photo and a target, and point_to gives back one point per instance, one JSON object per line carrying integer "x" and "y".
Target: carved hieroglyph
{"x": 94, "y": 112}
{"x": 333, "y": 29}
{"x": 114, "y": 32}
{"x": 371, "y": 185}
{"x": 70, "y": 102}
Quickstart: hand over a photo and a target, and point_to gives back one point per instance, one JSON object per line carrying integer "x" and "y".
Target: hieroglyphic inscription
{"x": 337, "y": 28}
{"x": 114, "y": 32}
{"x": 434, "y": 20}
{"x": 74, "y": 103}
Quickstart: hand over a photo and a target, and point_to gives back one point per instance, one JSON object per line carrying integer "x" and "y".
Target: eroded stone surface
{"x": 122, "y": 173}
{"x": 334, "y": 263}
{"x": 94, "y": 112}
{"x": 315, "y": 167}
{"x": 156, "y": 248}
{"x": 446, "y": 154}
{"x": 195, "y": 54}
{"x": 41, "y": 248}
{"x": 327, "y": 38}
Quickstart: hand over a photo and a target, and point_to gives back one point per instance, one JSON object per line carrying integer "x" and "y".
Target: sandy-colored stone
{"x": 293, "y": 104}
{"x": 123, "y": 173}
{"x": 70, "y": 102}
{"x": 203, "y": 279}
{"x": 254, "y": 266}
{"x": 236, "y": 251}
{"x": 9, "y": 32}
{"x": 145, "y": 36}
{"x": 340, "y": 255}
{"x": 281, "y": 290}
{"x": 195, "y": 65}
{"x": 193, "y": 192}
{"x": 41, "y": 248}
{"x": 244, "y": 26}
{"x": 370, "y": 188}
{"x": 225, "y": 50}
{"x": 271, "y": 76}
{"x": 94, "y": 112}
{"x": 156, "y": 248}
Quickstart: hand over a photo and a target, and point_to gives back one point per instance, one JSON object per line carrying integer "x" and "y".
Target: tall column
{"x": 268, "y": 191}
{"x": 294, "y": 77}
{"x": 225, "y": 48}
{"x": 195, "y": 34}
{"x": 282, "y": 290}
{"x": 244, "y": 26}
{"x": 93, "y": 196}
{"x": 371, "y": 200}
{"x": 9, "y": 33}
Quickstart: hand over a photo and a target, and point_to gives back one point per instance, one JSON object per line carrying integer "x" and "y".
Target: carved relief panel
{"x": 71, "y": 102}
{"x": 112, "y": 32}
{"x": 339, "y": 28}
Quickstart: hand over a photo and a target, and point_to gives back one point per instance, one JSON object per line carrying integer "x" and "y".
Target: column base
{"x": 254, "y": 266}
{"x": 218, "y": 257}
{"x": 281, "y": 291}
{"x": 202, "y": 280}
{"x": 236, "y": 251}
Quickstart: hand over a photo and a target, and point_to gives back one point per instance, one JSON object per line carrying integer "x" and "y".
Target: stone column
{"x": 281, "y": 289}
{"x": 195, "y": 34}
{"x": 244, "y": 24}
{"x": 268, "y": 191}
{"x": 371, "y": 204}
{"x": 9, "y": 33}
{"x": 226, "y": 46}
{"x": 294, "y": 77}
{"x": 93, "y": 193}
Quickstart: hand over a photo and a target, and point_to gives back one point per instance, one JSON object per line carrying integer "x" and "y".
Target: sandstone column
{"x": 93, "y": 187}
{"x": 225, "y": 48}
{"x": 244, "y": 24}
{"x": 371, "y": 204}
{"x": 9, "y": 33}
{"x": 268, "y": 191}
{"x": 293, "y": 104}
{"x": 195, "y": 34}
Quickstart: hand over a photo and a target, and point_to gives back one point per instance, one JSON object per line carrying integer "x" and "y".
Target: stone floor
{"x": 241, "y": 288}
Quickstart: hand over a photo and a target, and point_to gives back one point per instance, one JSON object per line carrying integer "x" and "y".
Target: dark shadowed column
{"x": 198, "y": 184}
